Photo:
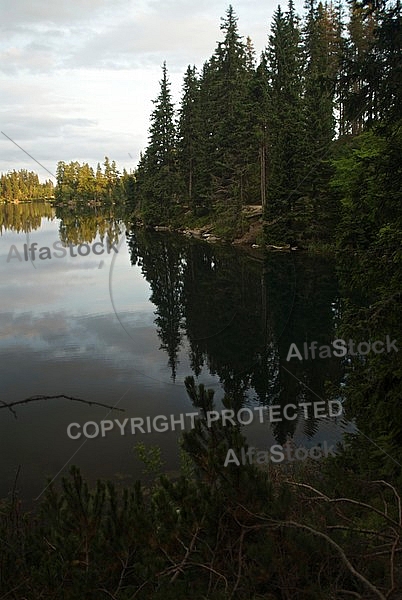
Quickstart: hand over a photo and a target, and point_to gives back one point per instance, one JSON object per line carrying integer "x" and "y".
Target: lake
{"x": 97, "y": 311}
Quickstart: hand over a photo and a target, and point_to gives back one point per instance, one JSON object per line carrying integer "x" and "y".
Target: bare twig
{"x": 179, "y": 567}
{"x": 274, "y": 523}
{"x": 398, "y": 498}
{"x": 309, "y": 487}
{"x": 105, "y": 591}
{"x": 140, "y": 588}
{"x": 341, "y": 552}
{"x": 239, "y": 568}
{"x": 5, "y": 405}
{"x": 122, "y": 574}
{"x": 383, "y": 553}
{"x": 364, "y": 505}
{"x": 10, "y": 405}
{"x": 15, "y": 588}
{"x": 351, "y": 501}
{"x": 355, "y": 594}
{"x": 392, "y": 565}
{"x": 363, "y": 531}
{"x": 208, "y": 568}
{"x": 15, "y": 485}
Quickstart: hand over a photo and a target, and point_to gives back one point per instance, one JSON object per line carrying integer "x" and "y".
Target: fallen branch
{"x": 341, "y": 552}
{"x": 179, "y": 568}
{"x": 350, "y": 501}
{"x": 10, "y": 405}
{"x": 273, "y": 523}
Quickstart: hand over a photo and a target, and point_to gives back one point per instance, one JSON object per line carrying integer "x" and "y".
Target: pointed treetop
{"x": 230, "y": 22}
{"x": 164, "y": 95}
{"x": 250, "y": 54}
{"x": 164, "y": 72}
{"x": 232, "y": 45}
{"x": 291, "y": 9}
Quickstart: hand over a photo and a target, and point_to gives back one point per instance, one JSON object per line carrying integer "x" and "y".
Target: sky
{"x": 77, "y": 77}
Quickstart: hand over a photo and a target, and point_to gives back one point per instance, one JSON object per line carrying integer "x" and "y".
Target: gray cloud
{"x": 38, "y": 36}
{"x": 79, "y": 76}
{"x": 25, "y": 126}
{"x": 146, "y": 39}
{"x": 19, "y": 13}
{"x": 33, "y": 57}
{"x": 75, "y": 142}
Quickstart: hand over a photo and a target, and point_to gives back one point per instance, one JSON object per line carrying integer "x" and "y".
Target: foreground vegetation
{"x": 214, "y": 532}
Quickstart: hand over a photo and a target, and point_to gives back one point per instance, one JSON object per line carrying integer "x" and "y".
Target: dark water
{"x": 125, "y": 327}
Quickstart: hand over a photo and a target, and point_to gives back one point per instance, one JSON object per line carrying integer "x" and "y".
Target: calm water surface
{"x": 127, "y": 326}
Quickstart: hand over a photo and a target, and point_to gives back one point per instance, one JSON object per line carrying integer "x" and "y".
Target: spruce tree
{"x": 360, "y": 41}
{"x": 227, "y": 140}
{"x": 157, "y": 171}
{"x": 285, "y": 126}
{"x": 206, "y": 149}
{"x": 321, "y": 72}
{"x": 259, "y": 91}
{"x": 374, "y": 67}
{"x": 188, "y": 138}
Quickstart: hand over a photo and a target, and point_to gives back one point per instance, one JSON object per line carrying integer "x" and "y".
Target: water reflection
{"x": 81, "y": 225}
{"x": 24, "y": 217}
{"x": 85, "y": 223}
{"x": 239, "y": 316}
{"x": 220, "y": 313}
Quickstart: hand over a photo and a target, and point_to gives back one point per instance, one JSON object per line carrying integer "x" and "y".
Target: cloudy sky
{"x": 78, "y": 76}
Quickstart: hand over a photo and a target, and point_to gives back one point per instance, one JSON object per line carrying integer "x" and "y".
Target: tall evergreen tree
{"x": 188, "y": 137}
{"x": 86, "y": 183}
{"x": 157, "y": 171}
{"x": 321, "y": 73}
{"x": 360, "y": 41}
{"x": 226, "y": 82}
{"x": 341, "y": 42}
{"x": 321, "y": 70}
{"x": 375, "y": 70}
{"x": 259, "y": 95}
{"x": 285, "y": 125}
{"x": 206, "y": 150}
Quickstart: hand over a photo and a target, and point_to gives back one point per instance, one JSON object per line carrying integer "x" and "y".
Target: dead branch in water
{"x": 10, "y": 405}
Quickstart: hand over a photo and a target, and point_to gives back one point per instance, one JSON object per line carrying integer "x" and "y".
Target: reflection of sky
{"x": 59, "y": 334}
{"x": 62, "y": 307}
{"x": 76, "y": 285}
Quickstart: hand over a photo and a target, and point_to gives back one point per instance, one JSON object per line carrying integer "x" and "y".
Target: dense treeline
{"x": 22, "y": 185}
{"x": 268, "y": 131}
{"x": 76, "y": 182}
